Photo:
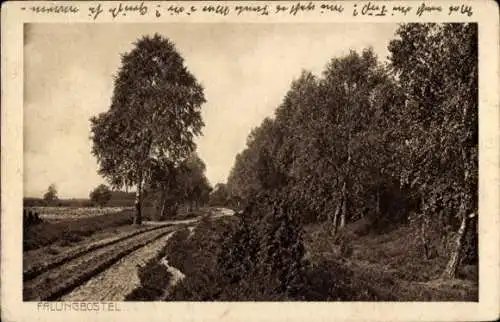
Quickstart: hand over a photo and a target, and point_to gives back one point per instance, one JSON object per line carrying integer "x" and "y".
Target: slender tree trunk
{"x": 335, "y": 219}
{"x": 343, "y": 213}
{"x": 163, "y": 204}
{"x": 138, "y": 202}
{"x": 377, "y": 209}
{"x": 456, "y": 253}
{"x": 457, "y": 250}
{"x": 423, "y": 240}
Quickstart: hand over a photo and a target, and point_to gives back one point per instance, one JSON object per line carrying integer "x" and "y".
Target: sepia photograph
{"x": 250, "y": 162}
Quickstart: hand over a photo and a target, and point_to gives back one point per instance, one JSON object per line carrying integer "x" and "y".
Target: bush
{"x": 263, "y": 257}
{"x": 154, "y": 279}
{"x": 31, "y": 218}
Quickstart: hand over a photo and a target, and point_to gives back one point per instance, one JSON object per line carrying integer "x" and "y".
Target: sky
{"x": 245, "y": 69}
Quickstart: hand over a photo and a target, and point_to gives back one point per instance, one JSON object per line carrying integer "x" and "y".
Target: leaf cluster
{"x": 154, "y": 116}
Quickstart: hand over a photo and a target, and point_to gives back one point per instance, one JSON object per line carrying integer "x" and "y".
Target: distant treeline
{"x": 118, "y": 199}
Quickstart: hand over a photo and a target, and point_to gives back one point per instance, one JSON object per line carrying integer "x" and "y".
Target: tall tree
{"x": 154, "y": 116}
{"x": 329, "y": 140}
{"x": 347, "y": 86}
{"x": 437, "y": 68}
{"x": 194, "y": 185}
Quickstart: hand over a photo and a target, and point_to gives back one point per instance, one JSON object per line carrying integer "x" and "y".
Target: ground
{"x": 95, "y": 255}
{"x": 176, "y": 260}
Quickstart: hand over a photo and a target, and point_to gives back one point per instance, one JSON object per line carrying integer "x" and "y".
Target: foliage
{"x": 266, "y": 247}
{"x": 100, "y": 195}
{"x": 153, "y": 119}
{"x": 31, "y": 218}
{"x": 437, "y": 68}
{"x": 323, "y": 130}
{"x": 220, "y": 196}
{"x": 386, "y": 143}
{"x": 173, "y": 185}
{"x": 154, "y": 277}
{"x": 51, "y": 195}
{"x": 439, "y": 122}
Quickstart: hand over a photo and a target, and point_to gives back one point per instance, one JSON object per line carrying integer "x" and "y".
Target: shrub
{"x": 154, "y": 279}
{"x": 263, "y": 257}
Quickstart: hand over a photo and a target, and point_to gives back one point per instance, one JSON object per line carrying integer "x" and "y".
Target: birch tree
{"x": 437, "y": 68}
{"x": 154, "y": 116}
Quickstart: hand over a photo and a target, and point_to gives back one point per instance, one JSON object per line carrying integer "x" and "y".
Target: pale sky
{"x": 246, "y": 69}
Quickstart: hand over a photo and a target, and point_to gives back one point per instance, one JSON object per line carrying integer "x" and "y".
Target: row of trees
{"x": 172, "y": 186}
{"x": 98, "y": 196}
{"x": 381, "y": 141}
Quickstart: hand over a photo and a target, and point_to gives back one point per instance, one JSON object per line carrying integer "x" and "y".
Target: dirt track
{"x": 103, "y": 269}
{"x": 120, "y": 279}
{"x": 69, "y": 273}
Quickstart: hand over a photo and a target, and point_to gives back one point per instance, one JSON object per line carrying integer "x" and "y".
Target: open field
{"x": 65, "y": 226}
{"x": 72, "y": 213}
{"x": 67, "y": 232}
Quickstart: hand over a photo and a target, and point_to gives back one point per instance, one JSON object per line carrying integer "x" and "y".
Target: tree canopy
{"x": 154, "y": 116}
{"x": 383, "y": 141}
{"x": 100, "y": 195}
{"x": 173, "y": 185}
{"x": 51, "y": 195}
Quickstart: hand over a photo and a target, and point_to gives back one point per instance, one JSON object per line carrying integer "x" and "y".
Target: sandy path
{"x": 40, "y": 260}
{"x": 120, "y": 279}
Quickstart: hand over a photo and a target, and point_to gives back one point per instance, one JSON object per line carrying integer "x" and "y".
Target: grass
{"x": 377, "y": 267}
{"x": 67, "y": 232}
{"x": 154, "y": 279}
{"x": 390, "y": 266}
{"x": 197, "y": 254}
{"x": 325, "y": 280}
